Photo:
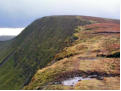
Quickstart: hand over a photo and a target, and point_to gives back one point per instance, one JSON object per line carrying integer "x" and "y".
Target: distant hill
{"x": 40, "y": 44}
{"x": 4, "y": 38}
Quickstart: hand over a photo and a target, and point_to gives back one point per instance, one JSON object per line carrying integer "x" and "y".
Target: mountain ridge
{"x": 38, "y": 45}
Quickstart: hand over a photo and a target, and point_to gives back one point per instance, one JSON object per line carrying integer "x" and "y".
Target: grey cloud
{"x": 22, "y": 12}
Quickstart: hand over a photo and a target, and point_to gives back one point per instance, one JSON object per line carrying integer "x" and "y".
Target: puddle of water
{"x": 92, "y": 76}
{"x": 73, "y": 81}
{"x": 86, "y": 58}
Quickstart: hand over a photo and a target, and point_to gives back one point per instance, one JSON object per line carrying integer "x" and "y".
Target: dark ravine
{"x": 114, "y": 55}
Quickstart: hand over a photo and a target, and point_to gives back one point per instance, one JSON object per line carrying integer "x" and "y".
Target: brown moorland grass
{"x": 82, "y": 57}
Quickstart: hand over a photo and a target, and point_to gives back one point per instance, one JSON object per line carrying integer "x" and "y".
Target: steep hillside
{"x": 50, "y": 39}
{"x": 34, "y": 48}
{"x": 5, "y": 49}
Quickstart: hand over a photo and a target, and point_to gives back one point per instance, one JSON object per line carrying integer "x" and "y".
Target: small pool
{"x": 73, "y": 81}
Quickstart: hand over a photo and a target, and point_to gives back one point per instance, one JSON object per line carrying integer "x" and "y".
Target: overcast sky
{"x": 20, "y": 13}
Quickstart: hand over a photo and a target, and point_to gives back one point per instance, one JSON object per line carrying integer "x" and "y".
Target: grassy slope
{"x": 35, "y": 47}
{"x": 82, "y": 56}
{"x": 5, "y": 49}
